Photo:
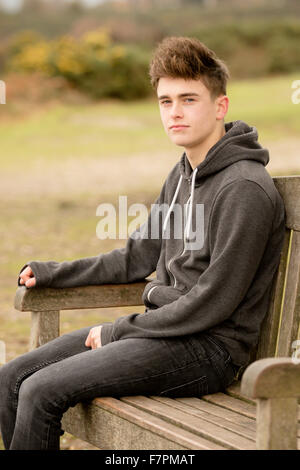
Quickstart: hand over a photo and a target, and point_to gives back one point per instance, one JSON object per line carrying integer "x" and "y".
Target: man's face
{"x": 189, "y": 114}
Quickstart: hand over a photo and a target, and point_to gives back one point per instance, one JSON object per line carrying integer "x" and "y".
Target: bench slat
{"x": 224, "y": 413}
{"x": 221, "y": 399}
{"x": 289, "y": 188}
{"x": 234, "y": 390}
{"x": 197, "y": 425}
{"x": 290, "y": 313}
{"x": 231, "y": 425}
{"x": 269, "y": 330}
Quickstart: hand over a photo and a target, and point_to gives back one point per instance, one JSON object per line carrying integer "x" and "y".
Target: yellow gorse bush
{"x": 31, "y": 58}
{"x": 92, "y": 63}
{"x": 98, "y": 39}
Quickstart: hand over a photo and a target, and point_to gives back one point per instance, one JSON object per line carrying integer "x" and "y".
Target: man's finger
{"x": 30, "y": 282}
{"x": 27, "y": 272}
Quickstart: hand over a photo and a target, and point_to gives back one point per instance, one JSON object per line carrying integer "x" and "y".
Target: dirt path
{"x": 120, "y": 174}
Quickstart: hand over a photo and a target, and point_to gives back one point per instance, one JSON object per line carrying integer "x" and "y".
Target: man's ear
{"x": 222, "y": 103}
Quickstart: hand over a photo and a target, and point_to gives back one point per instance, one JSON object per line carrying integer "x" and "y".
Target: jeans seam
{"x": 199, "y": 379}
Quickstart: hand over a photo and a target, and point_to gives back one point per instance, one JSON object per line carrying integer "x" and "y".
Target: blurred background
{"x": 80, "y": 124}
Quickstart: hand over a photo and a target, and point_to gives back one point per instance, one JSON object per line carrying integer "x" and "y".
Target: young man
{"x": 205, "y": 307}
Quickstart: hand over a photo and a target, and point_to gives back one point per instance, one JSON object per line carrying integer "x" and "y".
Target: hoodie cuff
{"x": 106, "y": 333}
{"x": 162, "y": 295}
{"x": 40, "y": 271}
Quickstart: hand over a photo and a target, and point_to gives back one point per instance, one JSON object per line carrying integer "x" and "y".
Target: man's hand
{"x": 94, "y": 338}
{"x": 27, "y": 277}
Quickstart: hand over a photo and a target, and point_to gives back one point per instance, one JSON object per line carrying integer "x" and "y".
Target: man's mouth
{"x": 178, "y": 127}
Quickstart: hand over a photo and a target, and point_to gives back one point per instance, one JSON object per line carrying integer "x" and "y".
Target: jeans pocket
{"x": 193, "y": 388}
{"x": 222, "y": 363}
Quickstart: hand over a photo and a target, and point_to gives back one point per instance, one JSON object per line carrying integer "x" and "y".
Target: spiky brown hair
{"x": 189, "y": 58}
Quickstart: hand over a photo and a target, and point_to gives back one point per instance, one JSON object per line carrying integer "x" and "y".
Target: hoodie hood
{"x": 240, "y": 142}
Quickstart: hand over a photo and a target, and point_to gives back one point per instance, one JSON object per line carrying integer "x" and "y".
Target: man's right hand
{"x": 27, "y": 277}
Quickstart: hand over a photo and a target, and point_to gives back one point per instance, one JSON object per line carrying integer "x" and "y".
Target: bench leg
{"x": 44, "y": 327}
{"x": 277, "y": 424}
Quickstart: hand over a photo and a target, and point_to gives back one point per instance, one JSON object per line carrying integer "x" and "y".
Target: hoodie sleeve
{"x": 137, "y": 260}
{"x": 239, "y": 227}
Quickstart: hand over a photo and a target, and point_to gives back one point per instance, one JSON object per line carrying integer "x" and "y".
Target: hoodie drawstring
{"x": 172, "y": 204}
{"x": 189, "y": 219}
{"x": 190, "y": 205}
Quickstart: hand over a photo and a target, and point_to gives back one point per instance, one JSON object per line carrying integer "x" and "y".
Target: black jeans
{"x": 36, "y": 388}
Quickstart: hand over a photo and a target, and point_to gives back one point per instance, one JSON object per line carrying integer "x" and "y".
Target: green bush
{"x": 255, "y": 48}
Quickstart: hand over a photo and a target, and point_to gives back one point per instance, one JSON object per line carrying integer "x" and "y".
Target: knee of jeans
{"x": 8, "y": 376}
{"x": 35, "y": 393}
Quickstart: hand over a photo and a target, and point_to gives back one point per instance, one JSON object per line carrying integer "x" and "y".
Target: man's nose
{"x": 176, "y": 110}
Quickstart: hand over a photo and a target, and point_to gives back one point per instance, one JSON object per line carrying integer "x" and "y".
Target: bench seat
{"x": 219, "y": 421}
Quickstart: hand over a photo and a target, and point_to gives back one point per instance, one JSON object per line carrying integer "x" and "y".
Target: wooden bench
{"x": 258, "y": 412}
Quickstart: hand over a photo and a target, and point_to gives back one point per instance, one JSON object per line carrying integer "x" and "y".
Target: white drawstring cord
{"x": 189, "y": 221}
{"x": 172, "y": 204}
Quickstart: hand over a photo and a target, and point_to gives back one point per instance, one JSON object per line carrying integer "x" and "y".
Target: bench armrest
{"x": 272, "y": 378}
{"x": 43, "y": 299}
{"x": 275, "y": 384}
{"x": 46, "y": 303}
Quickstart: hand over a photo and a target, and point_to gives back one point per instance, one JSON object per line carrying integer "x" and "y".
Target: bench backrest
{"x": 281, "y": 326}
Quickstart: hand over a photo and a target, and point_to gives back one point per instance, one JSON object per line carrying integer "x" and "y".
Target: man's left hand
{"x": 93, "y": 339}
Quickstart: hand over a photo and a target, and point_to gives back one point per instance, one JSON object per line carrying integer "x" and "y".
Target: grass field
{"x": 59, "y": 162}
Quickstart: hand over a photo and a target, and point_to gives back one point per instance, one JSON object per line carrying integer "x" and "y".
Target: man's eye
{"x": 164, "y": 102}
{"x": 189, "y": 100}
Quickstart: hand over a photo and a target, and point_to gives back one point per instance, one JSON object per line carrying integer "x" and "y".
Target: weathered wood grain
{"x": 289, "y": 188}
{"x": 182, "y": 413}
{"x": 290, "y": 310}
{"x": 277, "y": 424}
{"x": 269, "y": 330}
{"x": 106, "y": 295}
{"x": 272, "y": 378}
{"x": 109, "y": 423}
{"x": 44, "y": 328}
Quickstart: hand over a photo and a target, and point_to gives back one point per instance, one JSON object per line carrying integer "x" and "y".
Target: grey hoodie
{"x": 214, "y": 275}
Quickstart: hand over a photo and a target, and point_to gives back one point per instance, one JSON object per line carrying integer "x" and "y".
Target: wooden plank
{"x": 289, "y": 189}
{"x": 234, "y": 390}
{"x": 109, "y": 423}
{"x": 195, "y": 424}
{"x": 269, "y": 329}
{"x": 290, "y": 311}
{"x": 107, "y": 295}
{"x": 44, "y": 328}
{"x": 230, "y": 403}
{"x": 231, "y": 425}
{"x": 217, "y": 410}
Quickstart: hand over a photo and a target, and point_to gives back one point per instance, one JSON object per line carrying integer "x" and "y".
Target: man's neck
{"x": 197, "y": 154}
